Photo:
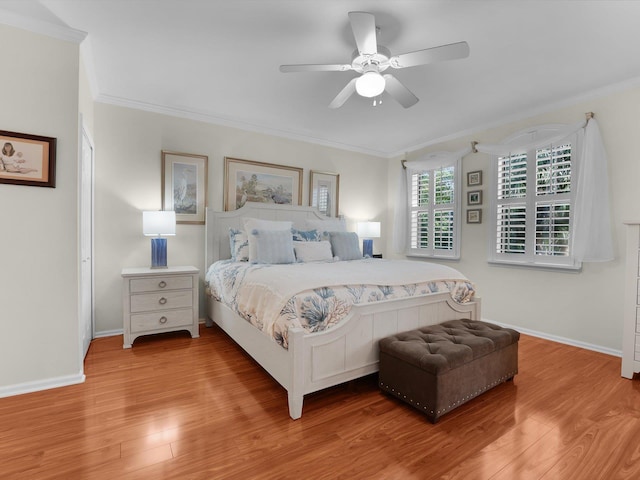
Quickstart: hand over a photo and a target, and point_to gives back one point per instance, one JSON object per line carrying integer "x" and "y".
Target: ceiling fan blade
{"x": 363, "y": 25}
{"x": 431, "y": 55}
{"x": 314, "y": 68}
{"x": 344, "y": 94}
{"x": 399, "y": 92}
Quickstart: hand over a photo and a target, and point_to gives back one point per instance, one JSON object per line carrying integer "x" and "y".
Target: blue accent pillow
{"x": 305, "y": 235}
{"x": 273, "y": 246}
{"x": 239, "y": 244}
{"x": 345, "y": 245}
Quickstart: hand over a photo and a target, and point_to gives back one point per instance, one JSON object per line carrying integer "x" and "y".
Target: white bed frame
{"x": 319, "y": 360}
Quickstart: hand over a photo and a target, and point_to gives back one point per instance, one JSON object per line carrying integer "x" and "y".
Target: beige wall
{"x": 583, "y": 307}
{"x": 39, "y": 341}
{"x": 128, "y": 159}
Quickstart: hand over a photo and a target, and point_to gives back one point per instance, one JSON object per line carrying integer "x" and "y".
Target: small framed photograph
{"x": 474, "y": 178}
{"x": 184, "y": 186}
{"x": 474, "y": 216}
{"x": 323, "y": 192}
{"x": 474, "y": 197}
{"x": 27, "y": 159}
{"x": 249, "y": 181}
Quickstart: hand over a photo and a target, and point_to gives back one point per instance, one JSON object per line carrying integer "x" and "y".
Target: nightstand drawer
{"x": 146, "y": 302}
{"x": 160, "y": 283}
{"x": 144, "y": 322}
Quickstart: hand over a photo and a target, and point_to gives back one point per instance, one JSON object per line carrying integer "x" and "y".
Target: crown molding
{"x": 232, "y": 123}
{"x": 44, "y": 28}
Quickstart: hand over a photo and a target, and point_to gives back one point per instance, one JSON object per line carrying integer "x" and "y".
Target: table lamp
{"x": 158, "y": 224}
{"x": 367, "y": 231}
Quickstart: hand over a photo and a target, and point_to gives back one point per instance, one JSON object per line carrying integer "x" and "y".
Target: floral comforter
{"x": 316, "y": 296}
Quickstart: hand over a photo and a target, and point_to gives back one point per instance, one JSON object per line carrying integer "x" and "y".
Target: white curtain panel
{"x": 592, "y": 240}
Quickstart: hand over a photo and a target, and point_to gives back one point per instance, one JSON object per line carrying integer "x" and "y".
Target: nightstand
{"x": 158, "y": 300}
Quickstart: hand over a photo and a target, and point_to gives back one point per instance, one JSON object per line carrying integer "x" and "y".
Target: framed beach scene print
{"x": 250, "y": 181}
{"x": 184, "y": 186}
{"x": 27, "y": 159}
{"x": 323, "y": 192}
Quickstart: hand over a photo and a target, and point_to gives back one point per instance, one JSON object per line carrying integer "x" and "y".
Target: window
{"x": 434, "y": 212}
{"x": 533, "y": 203}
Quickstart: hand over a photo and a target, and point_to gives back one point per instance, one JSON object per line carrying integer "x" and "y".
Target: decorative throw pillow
{"x": 239, "y": 245}
{"x": 305, "y": 235}
{"x": 273, "y": 246}
{"x": 251, "y": 224}
{"x": 345, "y": 245}
{"x": 313, "y": 251}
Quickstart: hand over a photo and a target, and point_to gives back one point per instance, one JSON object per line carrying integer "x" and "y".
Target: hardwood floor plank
{"x": 173, "y": 407}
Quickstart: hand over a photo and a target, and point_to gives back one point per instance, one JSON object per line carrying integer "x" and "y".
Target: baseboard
{"x": 556, "y": 338}
{"x": 107, "y": 333}
{"x": 36, "y": 386}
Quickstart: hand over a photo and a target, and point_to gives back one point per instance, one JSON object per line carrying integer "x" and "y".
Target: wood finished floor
{"x": 180, "y": 408}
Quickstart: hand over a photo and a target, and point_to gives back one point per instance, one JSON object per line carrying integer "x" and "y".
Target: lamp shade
{"x": 159, "y": 223}
{"x": 369, "y": 229}
{"x": 370, "y": 84}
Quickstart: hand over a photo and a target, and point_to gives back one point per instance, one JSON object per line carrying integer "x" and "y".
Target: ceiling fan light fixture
{"x": 370, "y": 84}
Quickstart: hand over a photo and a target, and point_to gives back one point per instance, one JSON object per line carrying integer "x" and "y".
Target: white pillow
{"x": 251, "y": 224}
{"x": 273, "y": 246}
{"x": 345, "y": 245}
{"x": 313, "y": 251}
{"x": 329, "y": 225}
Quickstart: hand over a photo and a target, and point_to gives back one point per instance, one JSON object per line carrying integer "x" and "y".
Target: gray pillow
{"x": 273, "y": 246}
{"x": 345, "y": 245}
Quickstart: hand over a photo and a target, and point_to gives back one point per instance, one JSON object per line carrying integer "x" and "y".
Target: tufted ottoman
{"x": 438, "y": 368}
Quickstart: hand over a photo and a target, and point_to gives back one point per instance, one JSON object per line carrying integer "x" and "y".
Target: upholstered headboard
{"x": 218, "y": 224}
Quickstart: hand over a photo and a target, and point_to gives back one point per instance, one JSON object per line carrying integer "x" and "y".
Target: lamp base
{"x": 367, "y": 247}
{"x": 158, "y": 253}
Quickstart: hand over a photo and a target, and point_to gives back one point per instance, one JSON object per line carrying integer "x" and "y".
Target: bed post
{"x": 296, "y": 386}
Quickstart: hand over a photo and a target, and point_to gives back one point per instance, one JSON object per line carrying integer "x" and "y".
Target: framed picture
{"x": 249, "y": 181}
{"x": 323, "y": 192}
{"x": 474, "y": 216}
{"x": 27, "y": 159}
{"x": 474, "y": 178}
{"x": 474, "y": 197}
{"x": 184, "y": 186}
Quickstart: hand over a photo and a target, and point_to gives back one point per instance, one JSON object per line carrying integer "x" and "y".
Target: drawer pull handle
{"x": 163, "y": 319}
{"x": 162, "y": 301}
{"x": 162, "y": 284}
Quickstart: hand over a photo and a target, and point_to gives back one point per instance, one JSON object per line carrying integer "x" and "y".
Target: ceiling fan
{"x": 371, "y": 59}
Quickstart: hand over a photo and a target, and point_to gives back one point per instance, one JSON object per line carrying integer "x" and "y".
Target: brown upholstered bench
{"x": 438, "y": 368}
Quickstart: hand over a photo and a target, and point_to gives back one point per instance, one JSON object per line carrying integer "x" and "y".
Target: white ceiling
{"x": 218, "y": 61}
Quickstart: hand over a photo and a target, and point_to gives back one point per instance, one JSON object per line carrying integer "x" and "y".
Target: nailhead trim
{"x": 457, "y": 402}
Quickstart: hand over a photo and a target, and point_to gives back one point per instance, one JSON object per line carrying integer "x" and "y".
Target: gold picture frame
{"x": 324, "y": 192}
{"x": 27, "y": 159}
{"x": 251, "y": 181}
{"x": 184, "y": 186}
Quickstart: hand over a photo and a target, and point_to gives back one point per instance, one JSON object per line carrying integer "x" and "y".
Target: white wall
{"x": 583, "y": 307}
{"x": 128, "y": 168}
{"x": 39, "y": 340}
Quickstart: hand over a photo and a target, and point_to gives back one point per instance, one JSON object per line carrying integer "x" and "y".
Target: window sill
{"x": 540, "y": 266}
{"x": 433, "y": 257}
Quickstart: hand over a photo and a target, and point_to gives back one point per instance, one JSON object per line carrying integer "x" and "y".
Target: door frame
{"x": 84, "y": 135}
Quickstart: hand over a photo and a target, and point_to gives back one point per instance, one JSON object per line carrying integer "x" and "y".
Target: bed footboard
{"x": 350, "y": 350}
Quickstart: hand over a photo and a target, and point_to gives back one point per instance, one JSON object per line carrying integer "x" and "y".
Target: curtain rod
{"x": 588, "y": 116}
